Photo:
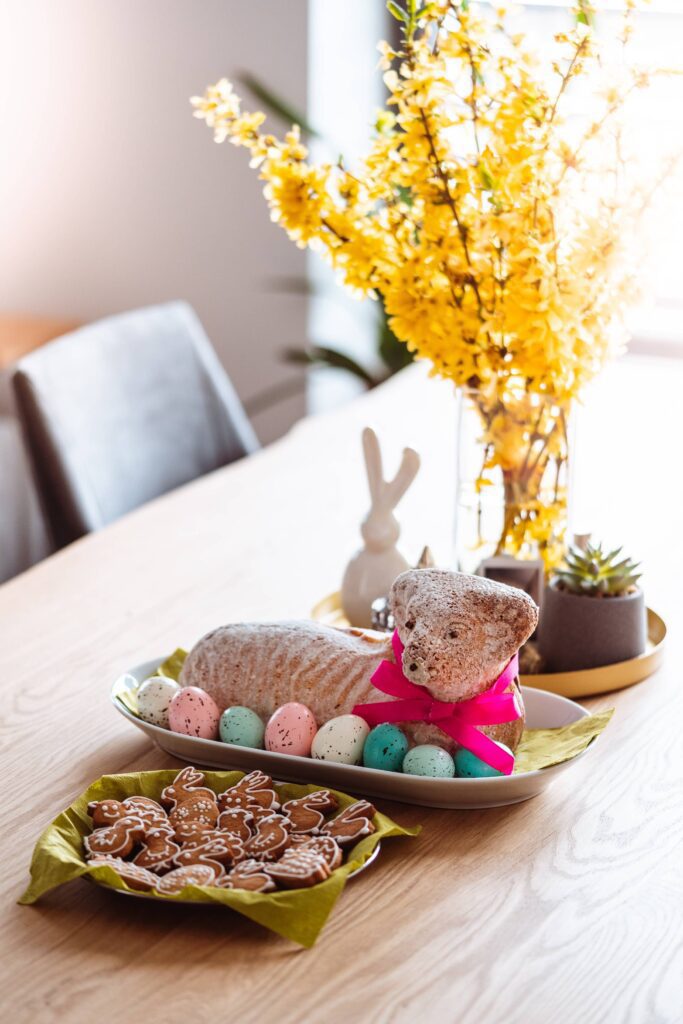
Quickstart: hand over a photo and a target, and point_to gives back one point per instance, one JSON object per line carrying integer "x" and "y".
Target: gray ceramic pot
{"x": 576, "y": 631}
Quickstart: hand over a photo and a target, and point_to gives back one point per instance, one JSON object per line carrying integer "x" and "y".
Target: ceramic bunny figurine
{"x": 371, "y": 571}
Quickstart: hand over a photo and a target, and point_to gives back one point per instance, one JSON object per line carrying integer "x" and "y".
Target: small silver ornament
{"x": 382, "y": 619}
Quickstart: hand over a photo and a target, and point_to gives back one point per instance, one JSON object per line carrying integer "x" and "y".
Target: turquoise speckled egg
{"x": 241, "y": 726}
{"x": 429, "y": 760}
{"x": 385, "y": 748}
{"x": 469, "y": 766}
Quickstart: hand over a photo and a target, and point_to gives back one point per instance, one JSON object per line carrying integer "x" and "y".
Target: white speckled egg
{"x": 429, "y": 760}
{"x": 153, "y": 699}
{"x": 341, "y": 739}
{"x": 291, "y": 730}
{"x": 193, "y": 712}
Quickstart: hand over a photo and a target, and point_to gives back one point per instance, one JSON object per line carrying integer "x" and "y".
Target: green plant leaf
{"x": 612, "y": 554}
{"x": 405, "y": 194}
{"x": 578, "y": 562}
{"x": 394, "y": 353}
{"x": 276, "y": 104}
{"x": 620, "y": 568}
{"x": 397, "y": 12}
{"x": 486, "y": 178}
{"x": 585, "y": 14}
{"x": 320, "y": 355}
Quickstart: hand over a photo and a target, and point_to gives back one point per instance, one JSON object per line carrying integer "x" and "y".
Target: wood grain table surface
{"x": 566, "y": 908}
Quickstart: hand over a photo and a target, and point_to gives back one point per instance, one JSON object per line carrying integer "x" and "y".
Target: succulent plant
{"x": 597, "y": 573}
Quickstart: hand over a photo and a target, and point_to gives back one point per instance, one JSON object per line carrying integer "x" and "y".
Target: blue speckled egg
{"x": 385, "y": 748}
{"x": 469, "y": 766}
{"x": 241, "y": 726}
{"x": 429, "y": 760}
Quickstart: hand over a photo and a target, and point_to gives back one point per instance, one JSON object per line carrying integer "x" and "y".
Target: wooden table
{"x": 567, "y": 908}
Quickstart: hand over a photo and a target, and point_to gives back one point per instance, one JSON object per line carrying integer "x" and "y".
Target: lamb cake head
{"x": 458, "y": 631}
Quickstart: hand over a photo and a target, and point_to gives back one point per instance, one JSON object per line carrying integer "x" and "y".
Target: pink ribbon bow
{"x": 458, "y": 720}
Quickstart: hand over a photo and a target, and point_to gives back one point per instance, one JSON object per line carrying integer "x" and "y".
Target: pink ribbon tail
{"x": 459, "y": 720}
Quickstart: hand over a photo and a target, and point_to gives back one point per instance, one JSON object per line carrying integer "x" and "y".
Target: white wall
{"x": 113, "y": 196}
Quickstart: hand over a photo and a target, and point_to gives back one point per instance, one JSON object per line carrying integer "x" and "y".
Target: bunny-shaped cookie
{"x": 371, "y": 571}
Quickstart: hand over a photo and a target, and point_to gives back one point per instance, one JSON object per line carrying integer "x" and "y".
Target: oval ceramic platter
{"x": 543, "y": 711}
{"x": 587, "y": 682}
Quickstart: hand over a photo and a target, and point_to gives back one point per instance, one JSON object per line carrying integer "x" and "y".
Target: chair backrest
{"x": 124, "y": 410}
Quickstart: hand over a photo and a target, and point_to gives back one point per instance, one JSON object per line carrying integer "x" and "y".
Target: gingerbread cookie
{"x": 135, "y": 877}
{"x": 261, "y": 813}
{"x": 307, "y": 813}
{"x": 106, "y": 812}
{"x": 254, "y": 790}
{"x": 158, "y": 850}
{"x": 217, "y": 849}
{"x": 299, "y": 868}
{"x": 197, "y": 807}
{"x": 191, "y": 874}
{"x": 187, "y": 831}
{"x": 147, "y": 810}
{"x": 271, "y": 838}
{"x": 250, "y": 875}
{"x": 117, "y": 840}
{"x": 237, "y": 820}
{"x": 352, "y": 824}
{"x": 189, "y": 782}
{"x": 326, "y": 846}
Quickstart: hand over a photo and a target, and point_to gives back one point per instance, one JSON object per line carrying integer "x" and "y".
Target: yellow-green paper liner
{"x": 296, "y": 914}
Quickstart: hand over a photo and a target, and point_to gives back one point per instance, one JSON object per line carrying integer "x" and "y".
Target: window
{"x": 656, "y": 119}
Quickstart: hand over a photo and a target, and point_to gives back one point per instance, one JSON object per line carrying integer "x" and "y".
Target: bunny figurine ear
{"x": 396, "y": 488}
{"x": 387, "y": 493}
{"x": 373, "y": 464}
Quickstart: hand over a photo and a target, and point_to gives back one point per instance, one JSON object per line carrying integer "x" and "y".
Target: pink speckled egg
{"x": 290, "y": 730}
{"x": 194, "y": 713}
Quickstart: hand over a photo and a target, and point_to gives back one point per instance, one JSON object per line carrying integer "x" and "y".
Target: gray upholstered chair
{"x": 122, "y": 411}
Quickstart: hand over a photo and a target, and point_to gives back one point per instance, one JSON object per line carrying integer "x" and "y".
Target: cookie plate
{"x": 543, "y": 711}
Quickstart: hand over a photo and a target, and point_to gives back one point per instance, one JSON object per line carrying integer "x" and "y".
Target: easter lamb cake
{"x": 455, "y": 636}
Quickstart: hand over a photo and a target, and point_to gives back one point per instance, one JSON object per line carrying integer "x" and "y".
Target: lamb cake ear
{"x": 509, "y": 617}
{"x": 403, "y": 587}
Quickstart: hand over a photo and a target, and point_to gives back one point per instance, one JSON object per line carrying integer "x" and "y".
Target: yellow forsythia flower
{"x": 489, "y": 226}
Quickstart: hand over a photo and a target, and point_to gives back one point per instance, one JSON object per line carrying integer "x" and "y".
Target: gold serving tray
{"x": 585, "y": 683}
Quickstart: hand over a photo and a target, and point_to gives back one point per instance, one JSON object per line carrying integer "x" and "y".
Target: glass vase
{"x": 513, "y": 470}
